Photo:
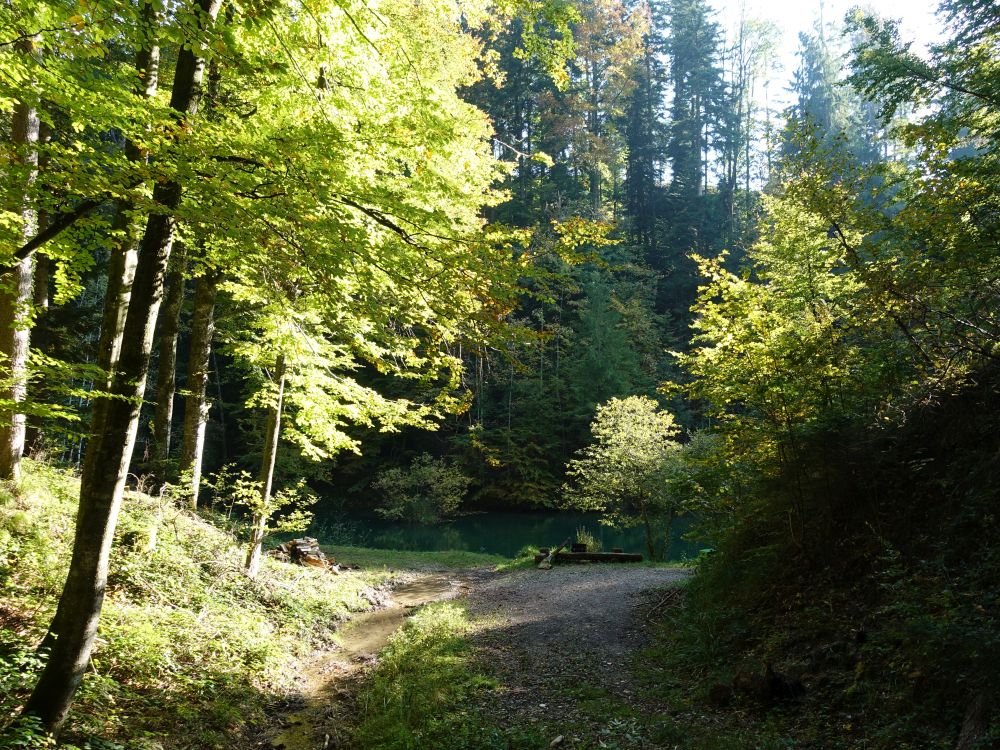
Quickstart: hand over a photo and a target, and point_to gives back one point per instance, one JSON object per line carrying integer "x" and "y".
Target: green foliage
{"x": 18, "y": 665}
{"x": 849, "y": 372}
{"x": 26, "y": 734}
{"x": 285, "y": 511}
{"x": 621, "y": 474}
{"x": 427, "y": 491}
{"x": 584, "y": 536}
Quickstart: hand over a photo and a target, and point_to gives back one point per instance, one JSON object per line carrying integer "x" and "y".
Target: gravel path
{"x": 553, "y": 637}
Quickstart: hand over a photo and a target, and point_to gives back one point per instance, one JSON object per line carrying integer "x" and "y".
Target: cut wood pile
{"x": 305, "y": 551}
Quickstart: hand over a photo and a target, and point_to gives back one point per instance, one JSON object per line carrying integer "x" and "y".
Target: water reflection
{"x": 494, "y": 532}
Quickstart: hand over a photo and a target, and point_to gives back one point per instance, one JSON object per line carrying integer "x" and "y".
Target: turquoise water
{"x": 494, "y": 532}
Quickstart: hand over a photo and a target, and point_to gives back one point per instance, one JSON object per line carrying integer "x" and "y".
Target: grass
{"x": 388, "y": 560}
{"x": 190, "y": 651}
{"x": 426, "y": 691}
{"x": 526, "y": 559}
{"x": 193, "y": 654}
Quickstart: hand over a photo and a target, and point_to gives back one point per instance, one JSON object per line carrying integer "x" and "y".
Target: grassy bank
{"x": 428, "y": 691}
{"x": 190, "y": 652}
{"x": 389, "y": 560}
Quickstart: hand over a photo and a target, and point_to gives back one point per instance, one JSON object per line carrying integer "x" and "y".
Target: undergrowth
{"x": 885, "y": 601}
{"x": 190, "y": 651}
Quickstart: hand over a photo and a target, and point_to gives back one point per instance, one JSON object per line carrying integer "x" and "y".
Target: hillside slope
{"x": 190, "y": 651}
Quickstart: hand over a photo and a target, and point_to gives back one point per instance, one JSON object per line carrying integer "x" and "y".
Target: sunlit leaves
{"x": 620, "y": 472}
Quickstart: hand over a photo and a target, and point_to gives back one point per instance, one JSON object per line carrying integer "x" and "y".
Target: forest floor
{"x": 559, "y": 643}
{"x": 515, "y": 658}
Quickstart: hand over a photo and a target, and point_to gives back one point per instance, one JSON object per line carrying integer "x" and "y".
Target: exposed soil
{"x": 559, "y": 642}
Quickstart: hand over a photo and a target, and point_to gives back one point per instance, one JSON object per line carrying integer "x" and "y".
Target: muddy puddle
{"x": 360, "y": 640}
{"x": 368, "y": 633}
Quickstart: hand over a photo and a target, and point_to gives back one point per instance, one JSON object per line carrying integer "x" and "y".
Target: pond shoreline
{"x": 503, "y": 533}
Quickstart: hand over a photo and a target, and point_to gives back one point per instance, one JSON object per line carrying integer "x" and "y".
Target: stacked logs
{"x": 304, "y": 551}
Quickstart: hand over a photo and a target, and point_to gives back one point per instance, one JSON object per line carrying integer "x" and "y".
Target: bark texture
{"x": 43, "y": 264}
{"x": 121, "y": 265}
{"x": 272, "y": 435}
{"x": 16, "y": 294}
{"x": 121, "y": 274}
{"x": 115, "y": 422}
{"x": 196, "y": 406}
{"x": 166, "y": 381}
{"x": 121, "y": 268}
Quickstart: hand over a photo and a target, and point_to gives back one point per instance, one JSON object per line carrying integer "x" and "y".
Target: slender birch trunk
{"x": 115, "y": 423}
{"x": 272, "y": 434}
{"x": 196, "y": 406}
{"x": 16, "y": 294}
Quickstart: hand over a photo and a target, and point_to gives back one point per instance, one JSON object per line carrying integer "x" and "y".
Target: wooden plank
{"x": 592, "y": 557}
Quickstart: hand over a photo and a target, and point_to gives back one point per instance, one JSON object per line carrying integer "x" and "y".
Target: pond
{"x": 495, "y": 532}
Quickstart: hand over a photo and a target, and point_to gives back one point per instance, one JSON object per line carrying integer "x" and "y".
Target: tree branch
{"x": 382, "y": 219}
{"x": 55, "y": 226}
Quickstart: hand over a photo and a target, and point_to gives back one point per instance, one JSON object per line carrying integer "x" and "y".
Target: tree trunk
{"x": 16, "y": 294}
{"x": 166, "y": 381}
{"x": 121, "y": 267}
{"x": 976, "y": 722}
{"x": 221, "y": 409}
{"x": 196, "y": 406}
{"x": 648, "y": 528}
{"x": 43, "y": 264}
{"x": 112, "y": 438}
{"x": 121, "y": 274}
{"x": 34, "y": 437}
{"x": 671, "y": 517}
{"x": 272, "y": 435}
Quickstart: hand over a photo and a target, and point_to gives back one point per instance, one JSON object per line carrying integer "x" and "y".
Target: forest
{"x": 323, "y": 321}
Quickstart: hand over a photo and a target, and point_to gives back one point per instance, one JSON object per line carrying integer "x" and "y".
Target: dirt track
{"x": 558, "y": 643}
{"x": 553, "y": 637}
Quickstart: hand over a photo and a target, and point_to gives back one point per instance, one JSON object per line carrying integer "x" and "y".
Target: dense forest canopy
{"x": 427, "y": 258}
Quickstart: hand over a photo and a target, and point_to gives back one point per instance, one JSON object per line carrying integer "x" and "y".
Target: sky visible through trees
{"x": 300, "y": 257}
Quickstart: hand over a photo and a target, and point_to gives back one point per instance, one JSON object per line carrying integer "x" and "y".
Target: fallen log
{"x": 589, "y": 557}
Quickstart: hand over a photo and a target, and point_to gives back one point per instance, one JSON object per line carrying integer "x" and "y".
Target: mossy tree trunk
{"x": 16, "y": 289}
{"x": 121, "y": 266}
{"x": 113, "y": 432}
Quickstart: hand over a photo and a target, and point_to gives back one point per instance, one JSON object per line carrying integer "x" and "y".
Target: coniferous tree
{"x": 644, "y": 139}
